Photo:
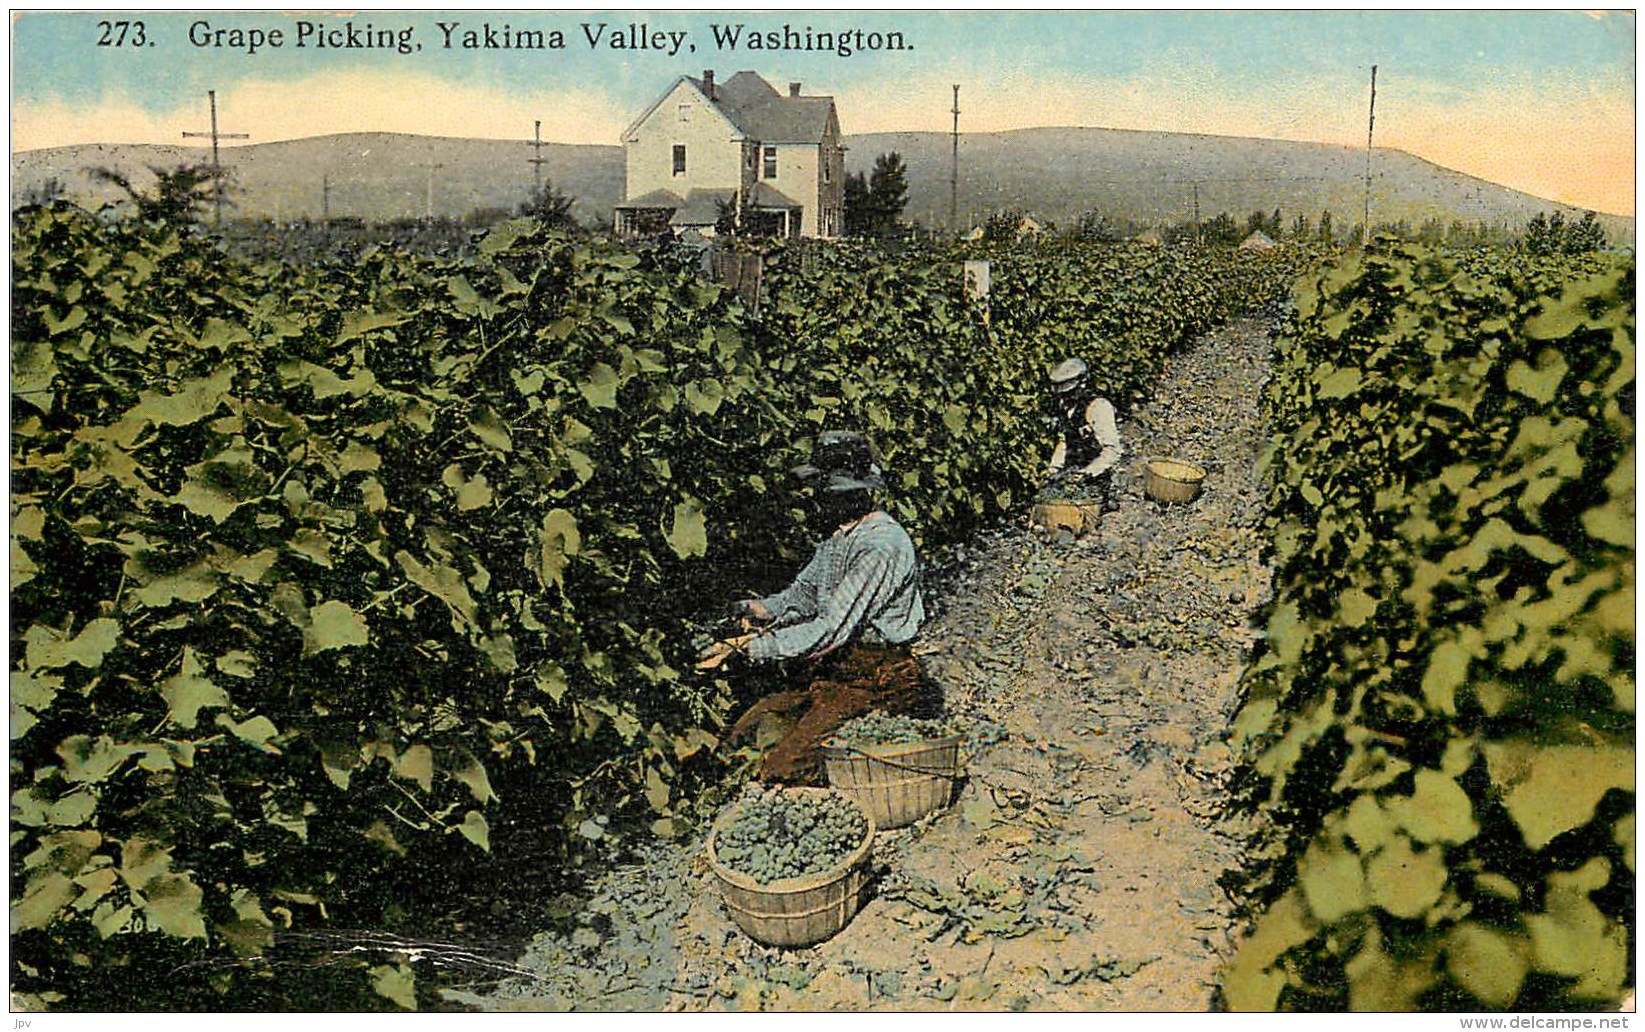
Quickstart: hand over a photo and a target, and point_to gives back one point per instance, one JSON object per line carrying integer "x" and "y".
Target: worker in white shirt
{"x": 1088, "y": 439}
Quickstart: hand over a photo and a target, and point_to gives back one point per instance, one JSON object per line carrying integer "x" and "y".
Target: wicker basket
{"x": 1172, "y": 480}
{"x": 1076, "y": 517}
{"x": 896, "y": 783}
{"x": 794, "y": 911}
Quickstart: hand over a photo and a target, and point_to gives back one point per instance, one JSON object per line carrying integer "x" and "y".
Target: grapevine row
{"x": 1440, "y": 732}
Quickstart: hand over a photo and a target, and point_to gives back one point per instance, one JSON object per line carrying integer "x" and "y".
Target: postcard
{"x": 823, "y": 511}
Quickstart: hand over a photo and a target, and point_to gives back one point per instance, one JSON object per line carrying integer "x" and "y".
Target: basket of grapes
{"x": 899, "y": 768}
{"x": 791, "y": 863}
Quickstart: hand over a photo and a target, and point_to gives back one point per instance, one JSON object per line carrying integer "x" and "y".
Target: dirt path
{"x": 1078, "y": 868}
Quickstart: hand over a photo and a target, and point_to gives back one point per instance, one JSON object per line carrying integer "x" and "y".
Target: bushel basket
{"x": 1075, "y": 516}
{"x": 1172, "y": 480}
{"x": 899, "y": 782}
{"x": 794, "y": 911}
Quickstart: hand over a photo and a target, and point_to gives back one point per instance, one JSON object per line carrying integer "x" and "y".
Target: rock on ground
{"x": 1078, "y": 866}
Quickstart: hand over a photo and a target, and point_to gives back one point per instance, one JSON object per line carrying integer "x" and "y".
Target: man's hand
{"x": 751, "y": 609}
{"x": 717, "y": 653}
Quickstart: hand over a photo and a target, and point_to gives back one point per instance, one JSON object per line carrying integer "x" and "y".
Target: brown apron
{"x": 847, "y": 684}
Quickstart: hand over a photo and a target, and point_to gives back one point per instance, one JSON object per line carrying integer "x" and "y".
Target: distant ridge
{"x": 374, "y": 176}
{"x": 1056, "y": 173}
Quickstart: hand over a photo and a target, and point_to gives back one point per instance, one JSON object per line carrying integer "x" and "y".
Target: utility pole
{"x": 216, "y": 167}
{"x": 536, "y": 159}
{"x": 1196, "y": 215}
{"x": 325, "y": 201}
{"x": 1370, "y": 127}
{"x": 954, "y": 169}
{"x": 428, "y": 197}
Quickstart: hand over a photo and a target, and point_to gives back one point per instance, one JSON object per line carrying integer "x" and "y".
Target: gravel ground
{"x": 1078, "y": 866}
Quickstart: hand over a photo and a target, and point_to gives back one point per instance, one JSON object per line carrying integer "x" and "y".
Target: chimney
{"x": 793, "y": 89}
{"x": 708, "y": 82}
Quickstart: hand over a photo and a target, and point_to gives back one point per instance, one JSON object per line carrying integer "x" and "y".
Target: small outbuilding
{"x": 1258, "y": 241}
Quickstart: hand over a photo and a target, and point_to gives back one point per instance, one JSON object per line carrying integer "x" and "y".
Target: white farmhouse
{"x": 774, "y": 162}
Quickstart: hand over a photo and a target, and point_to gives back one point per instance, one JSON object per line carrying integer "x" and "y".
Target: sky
{"x": 1538, "y": 101}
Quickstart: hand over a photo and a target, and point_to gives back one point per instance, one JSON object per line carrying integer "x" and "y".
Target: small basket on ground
{"x": 1078, "y": 517}
{"x": 794, "y": 911}
{"x": 899, "y": 782}
{"x": 1172, "y": 480}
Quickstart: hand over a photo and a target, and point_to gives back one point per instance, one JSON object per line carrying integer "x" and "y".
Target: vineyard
{"x": 329, "y": 581}
{"x": 335, "y": 583}
{"x": 1440, "y": 730}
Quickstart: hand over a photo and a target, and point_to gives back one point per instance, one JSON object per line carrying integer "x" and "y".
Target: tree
{"x": 1552, "y": 234}
{"x": 42, "y": 194}
{"x": 179, "y": 197}
{"x": 1181, "y": 233}
{"x": 858, "y": 217}
{"x": 1326, "y": 232}
{"x": 725, "y": 218}
{"x": 1542, "y": 233}
{"x": 887, "y": 193}
{"x": 1095, "y": 227}
{"x": 1003, "y": 224}
{"x": 488, "y": 215}
{"x": 1276, "y": 224}
{"x": 550, "y": 206}
{"x": 1221, "y": 230}
{"x": 1300, "y": 227}
{"x": 1585, "y": 236}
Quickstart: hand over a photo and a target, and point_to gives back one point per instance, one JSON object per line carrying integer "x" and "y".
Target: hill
{"x": 1150, "y": 177}
{"x": 374, "y": 176}
{"x": 1057, "y": 173}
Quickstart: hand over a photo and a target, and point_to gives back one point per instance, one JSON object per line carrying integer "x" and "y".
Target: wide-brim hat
{"x": 1068, "y": 374}
{"x": 872, "y": 480}
{"x": 841, "y": 460}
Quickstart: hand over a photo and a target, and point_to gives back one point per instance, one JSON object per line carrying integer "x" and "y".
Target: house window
{"x": 679, "y": 159}
{"x": 828, "y": 168}
{"x": 770, "y": 163}
{"x": 685, "y": 113}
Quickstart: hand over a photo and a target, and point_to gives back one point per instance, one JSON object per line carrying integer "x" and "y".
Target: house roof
{"x": 755, "y": 107}
{"x": 702, "y": 207}
{"x": 767, "y": 196}
{"x": 655, "y": 199}
{"x": 1258, "y": 241}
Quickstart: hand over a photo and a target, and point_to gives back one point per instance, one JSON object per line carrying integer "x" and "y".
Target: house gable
{"x": 660, "y": 108}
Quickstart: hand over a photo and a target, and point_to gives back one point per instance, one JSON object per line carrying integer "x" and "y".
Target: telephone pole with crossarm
{"x": 216, "y": 166}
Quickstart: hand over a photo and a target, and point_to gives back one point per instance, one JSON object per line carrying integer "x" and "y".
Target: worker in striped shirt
{"x": 849, "y": 618}
{"x": 1088, "y": 442}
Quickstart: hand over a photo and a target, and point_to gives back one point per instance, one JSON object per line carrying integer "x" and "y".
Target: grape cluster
{"x": 879, "y": 728}
{"x": 774, "y": 834}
